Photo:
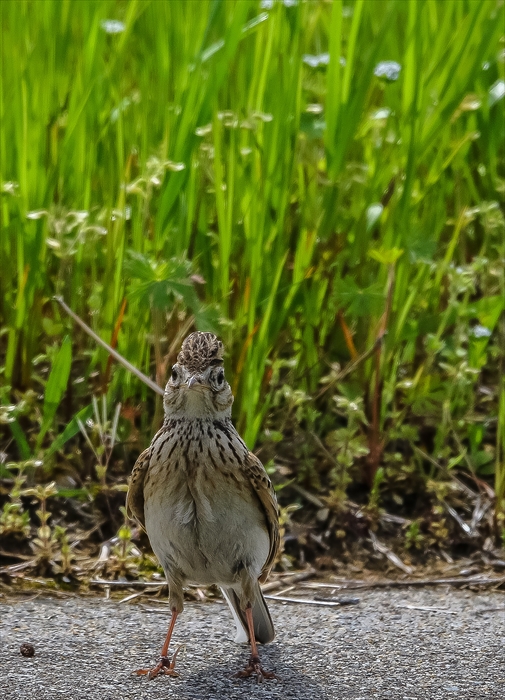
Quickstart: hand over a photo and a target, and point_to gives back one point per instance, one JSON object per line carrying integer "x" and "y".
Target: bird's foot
{"x": 165, "y": 667}
{"x": 254, "y": 668}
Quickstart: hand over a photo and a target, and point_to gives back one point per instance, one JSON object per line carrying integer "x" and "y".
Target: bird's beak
{"x": 196, "y": 380}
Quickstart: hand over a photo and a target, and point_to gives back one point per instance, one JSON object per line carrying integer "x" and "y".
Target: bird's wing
{"x": 264, "y": 490}
{"x": 135, "y": 495}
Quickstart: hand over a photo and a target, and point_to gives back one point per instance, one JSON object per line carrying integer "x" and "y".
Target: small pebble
{"x": 27, "y": 650}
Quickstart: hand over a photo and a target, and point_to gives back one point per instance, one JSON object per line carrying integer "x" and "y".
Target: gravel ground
{"x": 86, "y": 649}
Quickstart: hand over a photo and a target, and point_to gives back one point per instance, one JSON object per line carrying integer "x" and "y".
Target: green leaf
{"x": 69, "y": 432}
{"x": 386, "y": 257}
{"x": 487, "y": 310}
{"x": 481, "y": 459}
{"x": 359, "y": 302}
{"x": 160, "y": 283}
{"x": 420, "y": 246}
{"x": 55, "y": 387}
{"x": 207, "y": 318}
{"x": 80, "y": 494}
{"x": 20, "y": 438}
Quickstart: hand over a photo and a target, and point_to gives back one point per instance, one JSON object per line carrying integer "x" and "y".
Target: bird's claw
{"x": 165, "y": 667}
{"x": 255, "y": 669}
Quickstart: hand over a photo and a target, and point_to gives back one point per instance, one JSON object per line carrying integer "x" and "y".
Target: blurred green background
{"x": 321, "y": 183}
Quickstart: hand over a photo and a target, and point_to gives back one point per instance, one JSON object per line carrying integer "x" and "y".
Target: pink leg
{"x": 254, "y": 668}
{"x": 165, "y": 665}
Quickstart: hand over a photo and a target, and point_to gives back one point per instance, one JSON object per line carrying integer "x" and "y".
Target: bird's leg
{"x": 254, "y": 667}
{"x": 165, "y": 665}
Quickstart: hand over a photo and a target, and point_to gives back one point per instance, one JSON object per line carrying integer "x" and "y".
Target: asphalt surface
{"x": 86, "y": 649}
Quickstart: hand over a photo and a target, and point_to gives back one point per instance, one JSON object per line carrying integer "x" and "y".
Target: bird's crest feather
{"x": 199, "y": 351}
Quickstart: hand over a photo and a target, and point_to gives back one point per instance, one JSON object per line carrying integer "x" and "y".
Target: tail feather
{"x": 263, "y": 625}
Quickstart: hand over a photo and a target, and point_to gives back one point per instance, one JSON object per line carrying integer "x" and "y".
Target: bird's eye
{"x": 174, "y": 374}
{"x": 220, "y": 377}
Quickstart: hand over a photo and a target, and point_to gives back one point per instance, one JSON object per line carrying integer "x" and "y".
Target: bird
{"x": 206, "y": 501}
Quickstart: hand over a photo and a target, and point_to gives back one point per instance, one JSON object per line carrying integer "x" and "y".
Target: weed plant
{"x": 321, "y": 183}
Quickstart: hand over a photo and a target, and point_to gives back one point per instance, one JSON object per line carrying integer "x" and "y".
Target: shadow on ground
{"x": 290, "y": 682}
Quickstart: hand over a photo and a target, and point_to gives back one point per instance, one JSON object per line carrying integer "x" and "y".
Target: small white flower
{"x": 480, "y": 332}
{"x": 112, "y": 26}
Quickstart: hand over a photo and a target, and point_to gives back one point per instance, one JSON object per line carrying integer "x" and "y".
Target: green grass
{"x": 321, "y": 204}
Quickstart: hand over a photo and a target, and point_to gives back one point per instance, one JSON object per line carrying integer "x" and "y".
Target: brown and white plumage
{"x": 204, "y": 499}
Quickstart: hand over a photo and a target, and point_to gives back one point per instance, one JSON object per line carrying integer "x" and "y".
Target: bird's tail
{"x": 263, "y": 625}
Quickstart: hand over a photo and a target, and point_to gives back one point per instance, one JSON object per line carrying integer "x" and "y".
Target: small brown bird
{"x": 206, "y": 501}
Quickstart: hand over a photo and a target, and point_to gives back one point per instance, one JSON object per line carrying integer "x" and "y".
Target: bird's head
{"x": 197, "y": 387}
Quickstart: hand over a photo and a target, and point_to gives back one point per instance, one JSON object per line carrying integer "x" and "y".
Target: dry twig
{"x": 427, "y": 608}
{"x": 307, "y": 601}
{"x": 477, "y": 580}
